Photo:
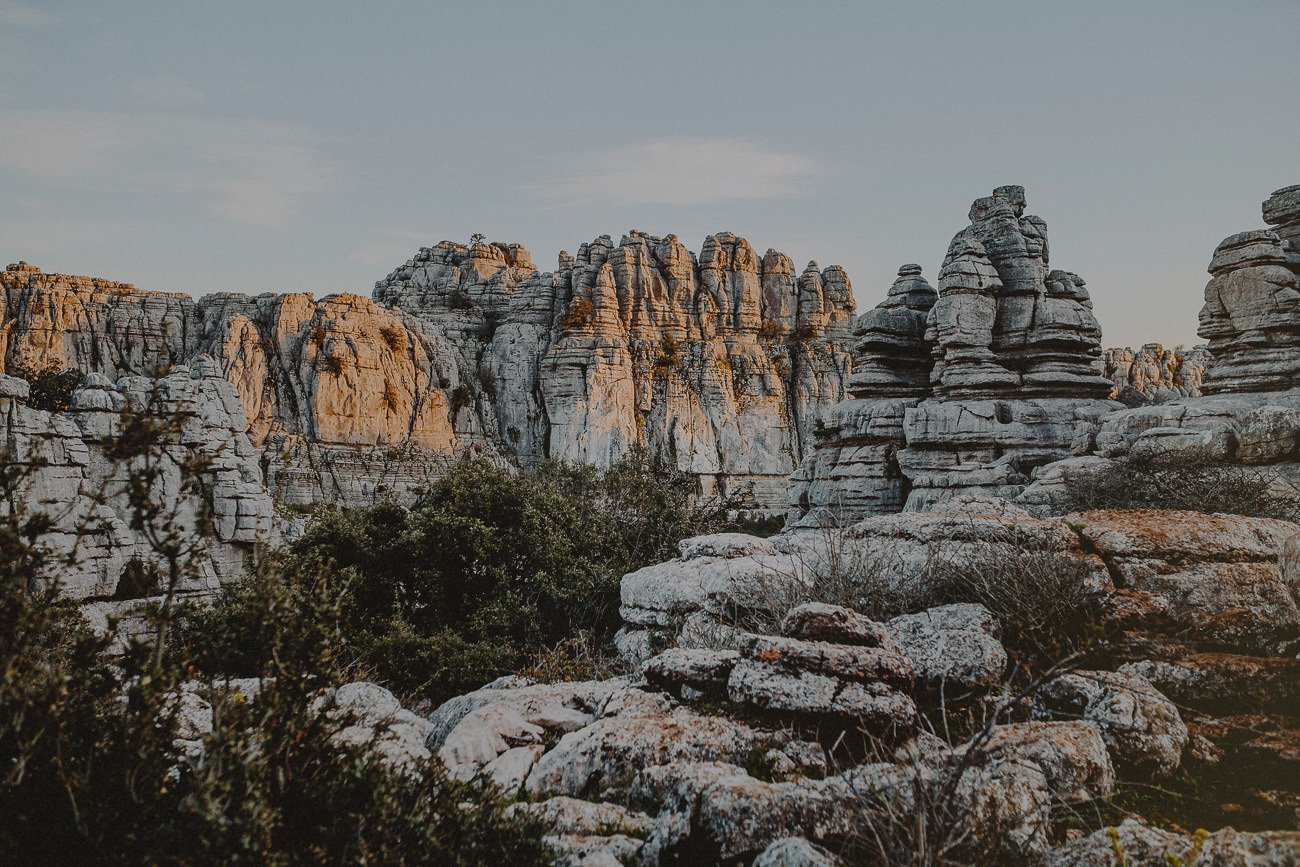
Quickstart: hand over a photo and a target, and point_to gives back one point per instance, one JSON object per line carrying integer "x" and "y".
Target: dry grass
{"x": 1182, "y": 483}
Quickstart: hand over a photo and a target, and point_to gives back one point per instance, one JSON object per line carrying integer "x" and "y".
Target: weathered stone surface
{"x": 727, "y": 359}
{"x": 1251, "y": 316}
{"x": 795, "y": 852}
{"x": 1071, "y": 755}
{"x": 698, "y": 668}
{"x": 609, "y": 752}
{"x": 1016, "y": 381}
{"x": 952, "y": 647}
{"x": 1140, "y": 845}
{"x": 1155, "y": 374}
{"x": 1230, "y": 681}
{"x": 1142, "y": 728}
{"x": 71, "y": 478}
{"x": 1216, "y": 576}
{"x": 817, "y": 621}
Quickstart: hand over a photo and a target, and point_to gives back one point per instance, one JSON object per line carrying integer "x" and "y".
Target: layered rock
{"x": 1155, "y": 374}
{"x": 854, "y": 469}
{"x": 1204, "y": 608}
{"x": 1251, "y": 316}
{"x": 70, "y": 475}
{"x": 726, "y": 360}
{"x": 1015, "y": 381}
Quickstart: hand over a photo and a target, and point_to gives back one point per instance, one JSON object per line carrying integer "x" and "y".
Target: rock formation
{"x": 94, "y": 552}
{"x": 1250, "y": 411}
{"x": 726, "y": 360}
{"x": 1155, "y": 374}
{"x": 1016, "y": 381}
{"x": 1251, "y": 315}
{"x": 854, "y": 469}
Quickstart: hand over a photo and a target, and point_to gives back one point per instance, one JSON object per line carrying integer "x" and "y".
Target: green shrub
{"x": 51, "y": 388}
{"x": 489, "y": 569}
{"x": 90, "y": 772}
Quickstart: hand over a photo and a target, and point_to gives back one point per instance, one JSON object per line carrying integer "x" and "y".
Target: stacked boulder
{"x": 1015, "y": 382}
{"x": 854, "y": 470}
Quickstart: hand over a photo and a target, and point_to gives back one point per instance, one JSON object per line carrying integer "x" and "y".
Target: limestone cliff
{"x": 725, "y": 359}
{"x": 67, "y": 474}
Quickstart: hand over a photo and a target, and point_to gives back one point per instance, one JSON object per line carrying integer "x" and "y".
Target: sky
{"x": 314, "y": 146}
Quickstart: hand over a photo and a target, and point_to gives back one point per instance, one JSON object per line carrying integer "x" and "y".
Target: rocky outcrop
{"x": 1155, "y": 374}
{"x": 854, "y": 469}
{"x": 1251, "y": 316}
{"x": 69, "y": 474}
{"x": 726, "y": 360}
{"x": 1015, "y": 383}
{"x": 1203, "y": 613}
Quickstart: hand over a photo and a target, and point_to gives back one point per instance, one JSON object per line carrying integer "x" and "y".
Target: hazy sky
{"x": 268, "y": 145}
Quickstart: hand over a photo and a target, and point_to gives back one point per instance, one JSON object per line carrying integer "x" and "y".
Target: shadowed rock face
{"x": 725, "y": 359}
{"x": 1251, "y": 316}
{"x": 967, "y": 389}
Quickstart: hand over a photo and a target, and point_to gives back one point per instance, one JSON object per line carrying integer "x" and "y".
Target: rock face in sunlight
{"x": 1156, "y": 374}
{"x": 1016, "y": 379}
{"x": 725, "y": 359}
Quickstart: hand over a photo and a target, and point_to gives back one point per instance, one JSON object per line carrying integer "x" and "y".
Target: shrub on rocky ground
{"x": 92, "y": 770}
{"x": 491, "y": 568}
{"x": 1178, "y": 482}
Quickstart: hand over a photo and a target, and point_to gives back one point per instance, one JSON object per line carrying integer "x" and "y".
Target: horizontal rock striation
{"x": 1013, "y": 378}
{"x": 1251, "y": 316}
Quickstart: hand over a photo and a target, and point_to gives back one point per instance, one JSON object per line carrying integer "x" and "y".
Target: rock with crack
{"x": 608, "y": 753}
{"x": 1142, "y": 728}
{"x": 953, "y": 648}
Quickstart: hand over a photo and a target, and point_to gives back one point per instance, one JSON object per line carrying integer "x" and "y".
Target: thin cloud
{"x": 249, "y": 171}
{"x": 15, "y": 14}
{"x": 166, "y": 92}
{"x": 677, "y": 171}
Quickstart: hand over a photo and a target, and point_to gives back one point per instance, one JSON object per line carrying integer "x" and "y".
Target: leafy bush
{"x": 90, "y": 771}
{"x": 1197, "y": 485}
{"x": 51, "y": 388}
{"x": 486, "y": 571}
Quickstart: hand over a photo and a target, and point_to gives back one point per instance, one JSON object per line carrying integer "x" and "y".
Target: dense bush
{"x": 485, "y": 572}
{"x": 51, "y": 388}
{"x": 90, "y": 771}
{"x": 1194, "y": 484}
